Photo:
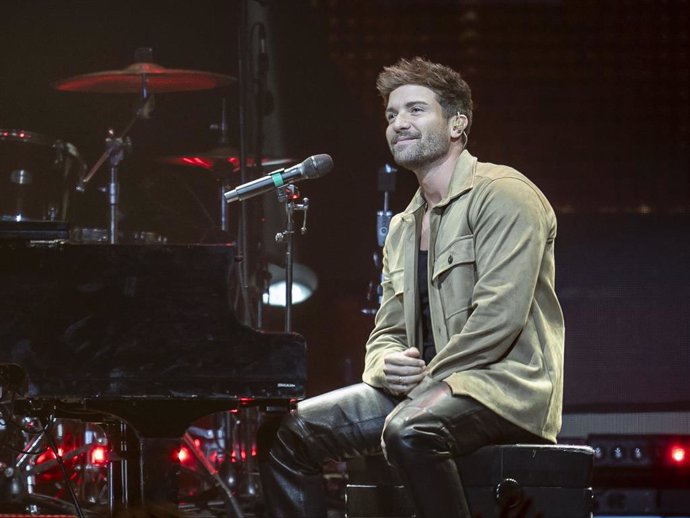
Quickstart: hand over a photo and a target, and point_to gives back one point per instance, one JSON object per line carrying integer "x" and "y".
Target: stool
{"x": 534, "y": 481}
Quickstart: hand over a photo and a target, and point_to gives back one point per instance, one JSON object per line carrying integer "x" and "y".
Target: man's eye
{"x": 390, "y": 117}
{"x": 416, "y": 109}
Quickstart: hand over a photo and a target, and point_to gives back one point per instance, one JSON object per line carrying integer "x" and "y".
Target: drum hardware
{"x": 88, "y": 235}
{"x": 100, "y": 235}
{"x": 36, "y": 170}
{"x": 115, "y": 149}
{"x": 148, "y": 238}
{"x": 222, "y": 162}
{"x": 53, "y": 459}
{"x": 144, "y": 78}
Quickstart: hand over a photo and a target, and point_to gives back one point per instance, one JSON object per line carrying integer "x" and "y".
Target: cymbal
{"x": 221, "y": 157}
{"x": 129, "y": 80}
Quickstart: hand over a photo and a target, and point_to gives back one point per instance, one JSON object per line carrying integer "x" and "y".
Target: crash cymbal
{"x": 217, "y": 158}
{"x": 129, "y": 80}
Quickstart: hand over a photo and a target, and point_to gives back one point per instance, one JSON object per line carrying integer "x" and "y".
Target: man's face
{"x": 417, "y": 133}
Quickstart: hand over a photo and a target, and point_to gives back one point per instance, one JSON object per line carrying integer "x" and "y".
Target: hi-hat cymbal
{"x": 130, "y": 80}
{"x": 224, "y": 157}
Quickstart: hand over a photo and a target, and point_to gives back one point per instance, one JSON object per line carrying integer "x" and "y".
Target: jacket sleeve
{"x": 389, "y": 334}
{"x": 511, "y": 226}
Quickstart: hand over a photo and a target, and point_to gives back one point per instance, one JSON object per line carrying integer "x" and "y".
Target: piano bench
{"x": 545, "y": 481}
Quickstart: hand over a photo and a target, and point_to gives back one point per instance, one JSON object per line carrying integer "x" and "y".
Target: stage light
{"x": 304, "y": 283}
{"x": 678, "y": 455}
{"x": 99, "y": 455}
{"x": 183, "y": 455}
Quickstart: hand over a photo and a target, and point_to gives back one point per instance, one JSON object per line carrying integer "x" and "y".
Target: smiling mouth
{"x": 403, "y": 139}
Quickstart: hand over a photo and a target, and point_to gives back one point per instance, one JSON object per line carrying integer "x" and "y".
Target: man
{"x": 467, "y": 348}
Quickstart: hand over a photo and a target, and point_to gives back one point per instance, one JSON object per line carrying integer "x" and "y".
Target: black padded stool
{"x": 523, "y": 480}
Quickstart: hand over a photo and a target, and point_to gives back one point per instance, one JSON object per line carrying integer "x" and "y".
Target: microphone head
{"x": 317, "y": 165}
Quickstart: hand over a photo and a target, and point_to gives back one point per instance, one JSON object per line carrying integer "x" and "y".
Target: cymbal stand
{"x": 224, "y": 169}
{"x": 115, "y": 149}
{"x": 289, "y": 195}
{"x": 116, "y": 152}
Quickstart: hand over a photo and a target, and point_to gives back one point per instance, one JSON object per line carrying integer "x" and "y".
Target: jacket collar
{"x": 461, "y": 181}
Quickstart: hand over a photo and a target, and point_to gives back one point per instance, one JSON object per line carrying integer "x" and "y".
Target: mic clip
{"x": 289, "y": 195}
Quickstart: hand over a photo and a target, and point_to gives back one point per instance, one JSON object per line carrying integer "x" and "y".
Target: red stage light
{"x": 678, "y": 455}
{"x": 99, "y": 455}
{"x": 183, "y": 455}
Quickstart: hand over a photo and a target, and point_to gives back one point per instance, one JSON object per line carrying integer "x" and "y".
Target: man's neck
{"x": 434, "y": 179}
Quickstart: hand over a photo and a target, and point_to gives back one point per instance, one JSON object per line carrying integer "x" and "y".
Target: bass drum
{"x": 36, "y": 173}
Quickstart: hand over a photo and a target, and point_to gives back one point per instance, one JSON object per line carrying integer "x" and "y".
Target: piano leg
{"x": 150, "y": 475}
{"x": 117, "y": 466}
{"x": 159, "y": 469}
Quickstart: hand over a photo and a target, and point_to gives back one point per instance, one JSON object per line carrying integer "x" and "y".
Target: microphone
{"x": 383, "y": 217}
{"x": 313, "y": 167}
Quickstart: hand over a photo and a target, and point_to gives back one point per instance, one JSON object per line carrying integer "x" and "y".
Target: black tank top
{"x": 428, "y": 346}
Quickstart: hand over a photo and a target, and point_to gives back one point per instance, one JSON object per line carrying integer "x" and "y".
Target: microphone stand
{"x": 289, "y": 195}
{"x": 386, "y": 184}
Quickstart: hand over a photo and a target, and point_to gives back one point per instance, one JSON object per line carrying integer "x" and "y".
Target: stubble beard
{"x": 421, "y": 152}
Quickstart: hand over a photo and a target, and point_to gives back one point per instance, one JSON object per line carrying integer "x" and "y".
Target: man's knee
{"x": 414, "y": 433}
{"x": 286, "y": 440}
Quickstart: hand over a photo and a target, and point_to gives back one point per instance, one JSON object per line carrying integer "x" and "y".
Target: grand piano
{"x": 142, "y": 333}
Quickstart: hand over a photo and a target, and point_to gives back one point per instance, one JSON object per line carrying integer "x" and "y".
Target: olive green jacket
{"x": 497, "y": 324}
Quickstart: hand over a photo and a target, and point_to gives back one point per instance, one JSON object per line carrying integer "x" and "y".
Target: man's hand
{"x": 403, "y": 370}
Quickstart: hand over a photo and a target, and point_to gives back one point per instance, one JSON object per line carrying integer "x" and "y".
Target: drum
{"x": 36, "y": 172}
{"x": 100, "y": 235}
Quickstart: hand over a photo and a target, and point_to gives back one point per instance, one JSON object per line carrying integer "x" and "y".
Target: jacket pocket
{"x": 454, "y": 276}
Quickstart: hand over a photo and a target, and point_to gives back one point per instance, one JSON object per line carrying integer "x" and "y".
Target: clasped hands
{"x": 404, "y": 370}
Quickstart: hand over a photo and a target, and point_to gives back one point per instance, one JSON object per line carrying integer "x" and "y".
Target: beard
{"x": 421, "y": 151}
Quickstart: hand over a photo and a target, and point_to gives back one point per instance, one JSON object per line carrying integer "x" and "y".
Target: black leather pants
{"x": 420, "y": 434}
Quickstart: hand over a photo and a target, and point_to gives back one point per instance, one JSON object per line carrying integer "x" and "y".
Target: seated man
{"x": 467, "y": 348}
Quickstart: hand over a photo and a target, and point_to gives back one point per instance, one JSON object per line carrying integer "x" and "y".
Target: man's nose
{"x": 400, "y": 122}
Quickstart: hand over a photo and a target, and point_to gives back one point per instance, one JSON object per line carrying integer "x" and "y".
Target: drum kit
{"x": 39, "y": 179}
{"x": 40, "y": 175}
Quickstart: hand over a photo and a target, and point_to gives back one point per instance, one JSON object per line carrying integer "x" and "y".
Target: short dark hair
{"x": 454, "y": 94}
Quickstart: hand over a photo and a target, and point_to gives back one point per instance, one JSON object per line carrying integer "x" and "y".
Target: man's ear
{"x": 458, "y": 125}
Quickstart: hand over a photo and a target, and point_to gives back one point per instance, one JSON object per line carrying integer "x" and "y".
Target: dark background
{"x": 589, "y": 99}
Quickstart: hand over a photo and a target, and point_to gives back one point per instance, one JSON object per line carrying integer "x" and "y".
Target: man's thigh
{"x": 346, "y": 422}
{"x": 462, "y": 422}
